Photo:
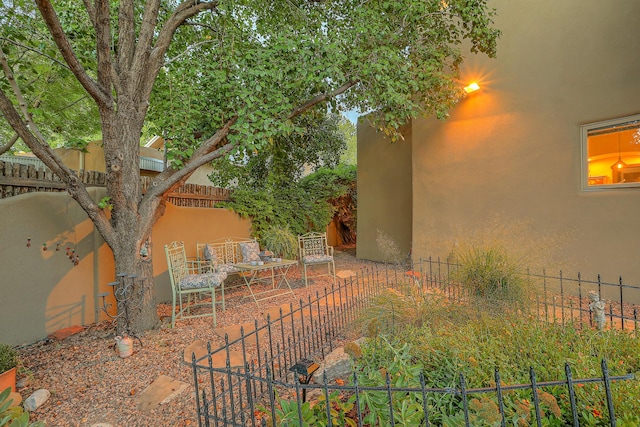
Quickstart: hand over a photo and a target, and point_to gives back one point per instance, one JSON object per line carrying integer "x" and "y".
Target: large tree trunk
{"x": 141, "y": 313}
{"x": 121, "y": 141}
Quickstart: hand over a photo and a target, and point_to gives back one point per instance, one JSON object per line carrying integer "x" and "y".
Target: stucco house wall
{"x": 508, "y": 157}
{"x": 385, "y": 205}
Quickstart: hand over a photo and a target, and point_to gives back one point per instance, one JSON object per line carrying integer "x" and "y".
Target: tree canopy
{"x": 221, "y": 76}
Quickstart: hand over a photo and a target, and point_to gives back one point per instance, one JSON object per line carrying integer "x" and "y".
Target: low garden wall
{"x": 55, "y": 263}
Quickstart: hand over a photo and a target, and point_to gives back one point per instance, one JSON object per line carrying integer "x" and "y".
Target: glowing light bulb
{"x": 472, "y": 87}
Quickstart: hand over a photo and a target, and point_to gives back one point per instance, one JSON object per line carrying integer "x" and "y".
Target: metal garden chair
{"x": 189, "y": 283}
{"x": 314, "y": 250}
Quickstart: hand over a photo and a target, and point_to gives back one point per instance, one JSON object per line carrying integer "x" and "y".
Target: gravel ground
{"x": 91, "y": 384}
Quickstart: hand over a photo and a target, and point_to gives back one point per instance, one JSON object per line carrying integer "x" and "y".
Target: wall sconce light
{"x": 472, "y": 87}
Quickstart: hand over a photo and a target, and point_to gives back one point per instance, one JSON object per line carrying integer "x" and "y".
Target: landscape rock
{"x": 37, "y": 399}
{"x": 61, "y": 334}
{"x": 336, "y": 364}
{"x": 23, "y": 382}
{"x": 101, "y": 425}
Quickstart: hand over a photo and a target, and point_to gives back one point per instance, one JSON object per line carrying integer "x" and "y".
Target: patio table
{"x": 276, "y": 277}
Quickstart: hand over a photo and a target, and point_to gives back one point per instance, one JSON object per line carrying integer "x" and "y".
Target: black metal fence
{"x": 559, "y": 298}
{"x": 240, "y": 383}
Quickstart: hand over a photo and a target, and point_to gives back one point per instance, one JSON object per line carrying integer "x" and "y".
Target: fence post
{"x": 391, "y": 419}
{"x": 621, "y": 305}
{"x": 607, "y": 389}
{"x": 500, "y": 401}
{"x": 572, "y": 395}
{"x": 195, "y": 386}
{"x": 425, "y": 405}
{"x": 272, "y": 396}
{"x": 536, "y": 399}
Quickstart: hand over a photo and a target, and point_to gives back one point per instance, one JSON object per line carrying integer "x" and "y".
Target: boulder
{"x": 336, "y": 364}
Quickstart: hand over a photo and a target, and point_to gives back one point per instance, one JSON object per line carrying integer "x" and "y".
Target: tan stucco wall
{"x": 512, "y": 150}
{"x": 41, "y": 291}
{"x": 384, "y": 193}
{"x": 506, "y": 164}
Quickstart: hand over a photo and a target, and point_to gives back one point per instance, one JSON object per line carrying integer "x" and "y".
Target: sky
{"x": 353, "y": 116}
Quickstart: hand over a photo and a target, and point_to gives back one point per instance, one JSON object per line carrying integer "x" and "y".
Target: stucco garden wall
{"x": 41, "y": 291}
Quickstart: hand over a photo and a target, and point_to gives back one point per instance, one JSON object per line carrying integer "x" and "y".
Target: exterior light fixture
{"x": 305, "y": 369}
{"x": 472, "y": 87}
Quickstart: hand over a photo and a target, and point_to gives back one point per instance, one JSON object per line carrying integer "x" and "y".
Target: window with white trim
{"x": 611, "y": 153}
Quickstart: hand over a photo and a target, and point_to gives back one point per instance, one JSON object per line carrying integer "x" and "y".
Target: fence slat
{"x": 17, "y": 178}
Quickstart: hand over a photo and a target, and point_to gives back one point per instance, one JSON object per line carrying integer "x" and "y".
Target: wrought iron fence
{"x": 559, "y": 298}
{"x": 238, "y": 384}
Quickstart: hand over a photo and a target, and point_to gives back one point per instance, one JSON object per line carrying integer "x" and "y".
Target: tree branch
{"x": 321, "y": 98}
{"x": 186, "y": 10}
{"x": 204, "y": 154}
{"x": 102, "y": 27}
{"x": 21, "y": 101}
{"x": 75, "y": 187}
{"x": 91, "y": 11}
{"x": 22, "y": 46}
{"x": 126, "y": 35}
{"x": 147, "y": 31}
{"x": 100, "y": 94}
{"x": 4, "y": 148}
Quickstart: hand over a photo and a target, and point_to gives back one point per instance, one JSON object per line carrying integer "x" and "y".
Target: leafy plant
{"x": 280, "y": 241}
{"x": 452, "y": 340}
{"x": 273, "y": 205}
{"x": 8, "y": 357}
{"x": 12, "y": 415}
{"x": 104, "y": 203}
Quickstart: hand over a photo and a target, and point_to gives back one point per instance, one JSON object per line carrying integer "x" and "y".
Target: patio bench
{"x": 222, "y": 255}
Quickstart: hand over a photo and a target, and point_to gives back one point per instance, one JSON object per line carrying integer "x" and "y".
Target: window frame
{"x": 584, "y": 153}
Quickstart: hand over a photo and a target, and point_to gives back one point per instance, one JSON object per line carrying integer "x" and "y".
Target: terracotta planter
{"x": 8, "y": 379}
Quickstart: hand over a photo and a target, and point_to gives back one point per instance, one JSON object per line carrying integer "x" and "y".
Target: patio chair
{"x": 188, "y": 282}
{"x": 314, "y": 250}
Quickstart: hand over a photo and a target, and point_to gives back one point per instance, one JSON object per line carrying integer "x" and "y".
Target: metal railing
{"x": 244, "y": 392}
{"x": 559, "y": 298}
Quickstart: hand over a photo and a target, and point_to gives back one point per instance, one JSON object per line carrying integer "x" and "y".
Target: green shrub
{"x": 14, "y": 416}
{"x": 490, "y": 275}
{"x": 453, "y": 340}
{"x": 8, "y": 357}
{"x": 280, "y": 241}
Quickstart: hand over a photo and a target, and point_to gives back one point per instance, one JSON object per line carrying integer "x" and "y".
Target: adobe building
{"x": 546, "y": 152}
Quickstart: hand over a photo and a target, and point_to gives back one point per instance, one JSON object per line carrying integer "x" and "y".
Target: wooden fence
{"x": 16, "y": 179}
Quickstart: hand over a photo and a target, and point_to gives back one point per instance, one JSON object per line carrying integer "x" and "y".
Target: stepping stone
{"x": 332, "y": 301}
{"x": 286, "y": 309}
{"x": 159, "y": 392}
{"x": 218, "y": 360}
{"x": 274, "y": 312}
{"x": 61, "y": 334}
{"x": 233, "y": 332}
{"x": 345, "y": 274}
